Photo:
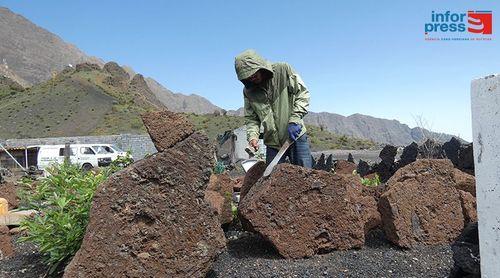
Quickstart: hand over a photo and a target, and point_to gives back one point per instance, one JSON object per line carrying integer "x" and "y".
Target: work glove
{"x": 294, "y": 131}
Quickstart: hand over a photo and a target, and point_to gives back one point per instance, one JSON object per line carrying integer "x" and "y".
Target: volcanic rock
{"x": 466, "y": 254}
{"x": 8, "y": 191}
{"x": 469, "y": 207}
{"x": 87, "y": 67}
{"x": 167, "y": 128}
{"x": 422, "y": 205}
{"x": 465, "y": 182}
{"x": 251, "y": 177}
{"x": 151, "y": 220}
{"x": 409, "y": 155}
{"x": 303, "y": 212}
{"x": 116, "y": 71}
{"x": 350, "y": 158}
{"x": 219, "y": 195}
{"x": 363, "y": 168}
{"x": 344, "y": 167}
{"x": 6, "y": 247}
{"x": 431, "y": 149}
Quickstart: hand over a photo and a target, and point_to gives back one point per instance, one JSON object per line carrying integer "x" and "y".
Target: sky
{"x": 367, "y": 57}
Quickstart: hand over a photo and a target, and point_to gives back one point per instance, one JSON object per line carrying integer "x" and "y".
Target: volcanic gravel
{"x": 26, "y": 262}
{"x": 248, "y": 255}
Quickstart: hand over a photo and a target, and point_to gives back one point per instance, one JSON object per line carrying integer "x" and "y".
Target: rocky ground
{"x": 247, "y": 255}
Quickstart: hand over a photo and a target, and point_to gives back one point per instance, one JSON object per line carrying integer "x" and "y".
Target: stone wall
{"x": 139, "y": 144}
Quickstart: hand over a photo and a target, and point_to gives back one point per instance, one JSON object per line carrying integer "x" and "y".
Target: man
{"x": 276, "y": 97}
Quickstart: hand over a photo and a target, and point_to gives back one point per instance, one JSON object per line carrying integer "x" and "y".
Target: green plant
{"x": 219, "y": 167}
{"x": 375, "y": 181}
{"x": 121, "y": 162}
{"x": 62, "y": 200}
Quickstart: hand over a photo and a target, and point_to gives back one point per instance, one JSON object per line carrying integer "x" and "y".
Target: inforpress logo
{"x": 473, "y": 25}
{"x": 480, "y": 22}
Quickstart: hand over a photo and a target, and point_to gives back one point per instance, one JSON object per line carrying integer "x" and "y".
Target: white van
{"x": 80, "y": 154}
{"x": 108, "y": 150}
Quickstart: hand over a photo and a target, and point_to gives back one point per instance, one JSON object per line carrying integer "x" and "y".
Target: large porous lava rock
{"x": 460, "y": 155}
{"x": 344, "y": 167}
{"x": 151, "y": 219}
{"x": 409, "y": 155}
{"x": 251, "y": 177}
{"x": 422, "y": 204}
{"x": 8, "y": 191}
{"x": 465, "y": 182}
{"x": 466, "y": 255}
{"x": 6, "y": 247}
{"x": 469, "y": 206}
{"x": 167, "y": 128}
{"x": 303, "y": 212}
{"x": 364, "y": 168}
{"x": 386, "y": 168}
{"x": 219, "y": 194}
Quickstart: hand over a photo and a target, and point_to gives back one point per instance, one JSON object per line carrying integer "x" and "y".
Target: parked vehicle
{"x": 88, "y": 156}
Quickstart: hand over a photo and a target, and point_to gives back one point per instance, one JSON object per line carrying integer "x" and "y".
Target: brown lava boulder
{"x": 251, "y": 177}
{"x": 167, "y": 128}
{"x": 303, "y": 212}
{"x": 219, "y": 195}
{"x": 6, "y": 247}
{"x": 151, "y": 219}
{"x": 8, "y": 191}
{"x": 422, "y": 204}
{"x": 344, "y": 167}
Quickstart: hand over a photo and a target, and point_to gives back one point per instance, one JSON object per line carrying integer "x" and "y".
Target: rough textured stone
{"x": 87, "y": 67}
{"x": 167, "y": 128}
{"x": 387, "y": 154}
{"x": 465, "y": 182}
{"x": 409, "y": 155}
{"x": 219, "y": 195}
{"x": 8, "y": 191}
{"x": 422, "y": 205}
{"x": 466, "y": 254}
{"x": 251, "y": 177}
{"x": 116, "y": 71}
{"x": 6, "y": 247}
{"x": 303, "y": 212}
{"x": 469, "y": 207}
{"x": 350, "y": 158}
{"x": 151, "y": 220}
{"x": 363, "y": 168}
{"x": 344, "y": 167}
{"x": 452, "y": 150}
{"x": 466, "y": 159}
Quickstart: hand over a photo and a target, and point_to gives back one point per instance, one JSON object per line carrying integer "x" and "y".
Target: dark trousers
{"x": 298, "y": 153}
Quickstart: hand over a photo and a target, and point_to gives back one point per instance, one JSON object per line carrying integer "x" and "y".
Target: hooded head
{"x": 249, "y": 62}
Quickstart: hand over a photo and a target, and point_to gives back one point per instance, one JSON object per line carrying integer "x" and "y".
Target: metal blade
{"x": 277, "y": 158}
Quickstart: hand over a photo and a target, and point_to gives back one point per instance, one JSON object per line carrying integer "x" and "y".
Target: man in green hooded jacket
{"x": 276, "y": 98}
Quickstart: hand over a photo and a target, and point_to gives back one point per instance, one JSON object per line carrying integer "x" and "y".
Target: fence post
{"x": 485, "y": 104}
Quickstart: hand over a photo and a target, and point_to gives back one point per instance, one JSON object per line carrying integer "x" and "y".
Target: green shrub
{"x": 371, "y": 182}
{"x": 63, "y": 200}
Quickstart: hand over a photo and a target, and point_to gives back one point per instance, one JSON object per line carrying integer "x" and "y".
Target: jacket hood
{"x": 249, "y": 62}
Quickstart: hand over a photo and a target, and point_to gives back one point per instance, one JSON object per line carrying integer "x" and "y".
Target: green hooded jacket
{"x": 281, "y": 99}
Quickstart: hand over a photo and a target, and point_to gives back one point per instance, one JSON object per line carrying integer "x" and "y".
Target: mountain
{"x": 30, "y": 54}
{"x": 376, "y": 129}
{"x": 180, "y": 102}
{"x": 84, "y": 100}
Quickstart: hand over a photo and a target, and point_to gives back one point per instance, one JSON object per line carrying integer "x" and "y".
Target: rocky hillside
{"x": 376, "y": 129}
{"x": 30, "y": 54}
{"x": 85, "y": 100}
{"x": 179, "y": 102}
